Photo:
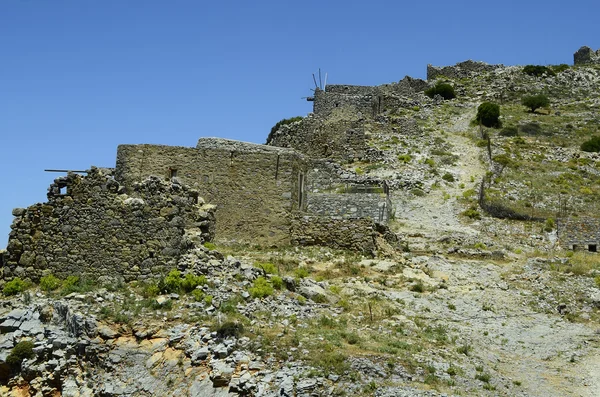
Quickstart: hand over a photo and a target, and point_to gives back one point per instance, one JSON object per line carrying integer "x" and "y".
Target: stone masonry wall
{"x": 353, "y": 234}
{"x": 579, "y": 232}
{"x": 460, "y": 70}
{"x": 89, "y": 226}
{"x": 585, "y": 56}
{"x": 318, "y": 137}
{"x": 255, "y": 187}
{"x": 374, "y": 206}
{"x": 368, "y": 101}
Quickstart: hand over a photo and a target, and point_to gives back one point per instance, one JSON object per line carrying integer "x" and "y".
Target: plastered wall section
{"x": 254, "y": 187}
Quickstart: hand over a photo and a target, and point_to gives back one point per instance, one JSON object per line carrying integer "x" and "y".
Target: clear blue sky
{"x": 79, "y": 77}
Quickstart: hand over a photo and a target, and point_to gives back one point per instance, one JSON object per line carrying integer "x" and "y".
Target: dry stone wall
{"x": 318, "y": 137}
{"x": 460, "y": 70}
{"x": 255, "y": 187}
{"x": 354, "y": 234}
{"x": 374, "y": 206}
{"x": 579, "y": 233}
{"x": 89, "y": 226}
{"x": 367, "y": 101}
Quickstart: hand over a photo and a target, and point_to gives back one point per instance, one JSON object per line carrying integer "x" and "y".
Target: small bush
{"x": 418, "y": 287}
{"x": 301, "y": 272}
{"x": 534, "y": 102}
{"x": 448, "y": 177}
{"x": 488, "y": 115}
{"x": 559, "y": 68}
{"x": 472, "y": 213}
{"x": 171, "y": 283}
{"x": 538, "y": 70}
{"x": 49, "y": 283}
{"x": 20, "y": 352}
{"x": 444, "y": 90}
{"x": 191, "y": 281}
{"x": 150, "y": 291}
{"x": 530, "y": 129}
{"x": 591, "y": 145}
{"x": 277, "y": 282}
{"x": 549, "y": 225}
{"x": 210, "y": 246}
{"x": 404, "y": 158}
{"x": 267, "y": 267}
{"x": 261, "y": 288}
{"x": 418, "y": 192}
{"x": 230, "y": 329}
{"x": 509, "y": 131}
{"x": 198, "y": 295}
{"x": 13, "y": 287}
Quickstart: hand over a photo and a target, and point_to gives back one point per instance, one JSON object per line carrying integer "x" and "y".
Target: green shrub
{"x": 13, "y": 287}
{"x": 261, "y": 288}
{"x": 190, "y": 282}
{"x": 20, "y": 352}
{"x": 280, "y": 124}
{"x": 472, "y": 213}
{"x": 549, "y": 225}
{"x": 301, "y": 272}
{"x": 448, "y": 177}
{"x": 559, "y": 68}
{"x": 591, "y": 145}
{"x": 209, "y": 245}
{"x": 504, "y": 160}
{"x": 534, "y": 102}
{"x": 50, "y": 283}
{"x": 538, "y": 70}
{"x": 405, "y": 158}
{"x": 198, "y": 295}
{"x": 444, "y": 90}
{"x": 488, "y": 115}
{"x": 509, "y": 131}
{"x": 229, "y": 329}
{"x": 597, "y": 281}
{"x": 532, "y": 128}
{"x": 277, "y": 282}
{"x": 171, "y": 283}
{"x": 267, "y": 267}
{"x": 150, "y": 290}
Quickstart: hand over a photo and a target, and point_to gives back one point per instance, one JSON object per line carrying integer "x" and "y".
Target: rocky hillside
{"x": 474, "y": 305}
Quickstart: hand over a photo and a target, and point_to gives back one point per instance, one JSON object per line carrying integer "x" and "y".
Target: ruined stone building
{"x": 255, "y": 187}
{"x": 89, "y": 225}
{"x": 585, "y": 56}
{"x": 579, "y": 233}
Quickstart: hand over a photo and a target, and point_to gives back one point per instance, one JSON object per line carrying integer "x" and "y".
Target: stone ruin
{"x": 586, "y": 56}
{"x": 91, "y": 226}
{"x": 579, "y": 233}
{"x": 137, "y": 220}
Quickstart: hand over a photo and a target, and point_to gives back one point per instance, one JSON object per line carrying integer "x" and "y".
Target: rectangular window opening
{"x": 62, "y": 190}
{"x": 172, "y": 173}
{"x": 593, "y": 248}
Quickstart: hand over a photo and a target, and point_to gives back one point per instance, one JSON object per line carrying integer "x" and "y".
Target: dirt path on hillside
{"x": 439, "y": 210}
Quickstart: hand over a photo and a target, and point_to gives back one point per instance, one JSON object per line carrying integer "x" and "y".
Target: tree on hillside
{"x": 488, "y": 115}
{"x": 534, "y": 102}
